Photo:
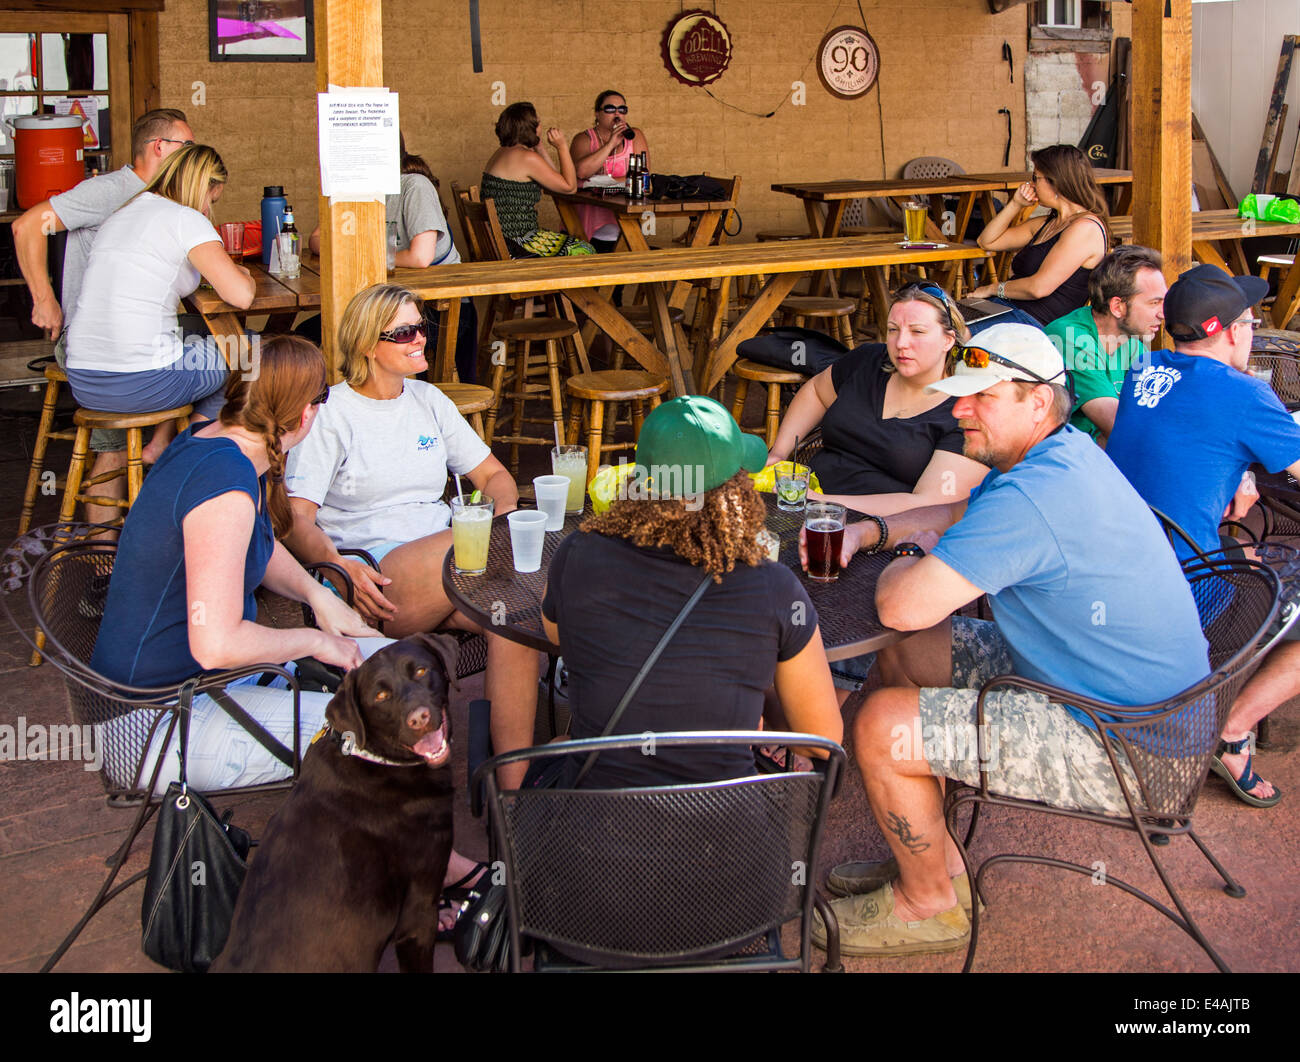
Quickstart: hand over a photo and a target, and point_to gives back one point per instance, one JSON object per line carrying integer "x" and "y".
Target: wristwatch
{"x": 1002, "y": 289}
{"x": 908, "y": 549}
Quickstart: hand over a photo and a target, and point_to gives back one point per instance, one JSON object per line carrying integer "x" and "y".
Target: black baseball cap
{"x": 1205, "y": 300}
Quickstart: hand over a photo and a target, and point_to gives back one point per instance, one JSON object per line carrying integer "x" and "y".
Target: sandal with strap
{"x": 1248, "y": 779}
{"x": 455, "y": 897}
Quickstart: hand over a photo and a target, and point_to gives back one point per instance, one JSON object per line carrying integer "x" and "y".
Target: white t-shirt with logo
{"x": 137, "y": 274}
{"x": 378, "y": 467}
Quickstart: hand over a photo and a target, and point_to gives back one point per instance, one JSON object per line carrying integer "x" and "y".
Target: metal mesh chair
{"x": 1279, "y": 352}
{"x": 1167, "y": 746}
{"x": 809, "y": 447}
{"x": 61, "y": 573}
{"x": 667, "y": 877}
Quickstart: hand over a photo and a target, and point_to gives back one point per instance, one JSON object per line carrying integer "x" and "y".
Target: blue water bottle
{"x": 273, "y": 207}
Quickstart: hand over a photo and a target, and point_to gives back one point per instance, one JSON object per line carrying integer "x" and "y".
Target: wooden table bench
{"x": 581, "y": 277}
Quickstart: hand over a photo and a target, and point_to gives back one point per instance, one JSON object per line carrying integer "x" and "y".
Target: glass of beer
{"x": 471, "y": 531}
{"x": 823, "y": 526}
{"x": 914, "y": 212}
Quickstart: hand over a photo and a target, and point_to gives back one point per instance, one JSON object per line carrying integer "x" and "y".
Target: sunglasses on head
{"x": 935, "y": 292}
{"x": 404, "y": 333}
{"x": 323, "y": 397}
{"x": 610, "y": 108}
{"x": 979, "y": 358}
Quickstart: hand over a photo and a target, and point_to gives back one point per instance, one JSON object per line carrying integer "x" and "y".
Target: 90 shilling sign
{"x": 848, "y": 62}
{"x": 696, "y": 48}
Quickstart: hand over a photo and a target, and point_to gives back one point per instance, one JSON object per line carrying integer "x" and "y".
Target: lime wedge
{"x": 476, "y": 497}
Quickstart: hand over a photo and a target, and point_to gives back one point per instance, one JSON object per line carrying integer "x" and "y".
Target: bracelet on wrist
{"x": 883, "y": 528}
{"x": 1002, "y": 289}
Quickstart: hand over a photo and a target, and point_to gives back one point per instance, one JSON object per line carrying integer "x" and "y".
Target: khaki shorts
{"x": 1036, "y": 750}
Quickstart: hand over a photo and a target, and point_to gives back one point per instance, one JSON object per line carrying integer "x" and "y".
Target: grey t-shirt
{"x": 82, "y": 209}
{"x": 418, "y": 210}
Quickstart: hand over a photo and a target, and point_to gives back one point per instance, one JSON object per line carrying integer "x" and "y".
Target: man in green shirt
{"x": 1100, "y": 341}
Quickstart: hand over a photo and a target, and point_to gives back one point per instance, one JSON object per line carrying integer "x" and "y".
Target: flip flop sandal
{"x": 1248, "y": 779}
{"x": 455, "y": 897}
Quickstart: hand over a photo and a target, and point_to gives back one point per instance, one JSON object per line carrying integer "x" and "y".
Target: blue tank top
{"x": 144, "y": 635}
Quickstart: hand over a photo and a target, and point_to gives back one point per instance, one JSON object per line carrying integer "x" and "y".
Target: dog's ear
{"x": 447, "y": 649}
{"x": 344, "y": 710}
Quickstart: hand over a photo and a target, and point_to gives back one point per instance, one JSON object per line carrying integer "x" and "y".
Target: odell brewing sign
{"x": 696, "y": 48}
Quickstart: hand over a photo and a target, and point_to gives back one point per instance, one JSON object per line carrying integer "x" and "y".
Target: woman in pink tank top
{"x": 605, "y": 149}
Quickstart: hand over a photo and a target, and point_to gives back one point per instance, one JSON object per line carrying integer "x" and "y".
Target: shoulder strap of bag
{"x": 184, "y": 707}
{"x": 645, "y": 670}
{"x": 236, "y": 711}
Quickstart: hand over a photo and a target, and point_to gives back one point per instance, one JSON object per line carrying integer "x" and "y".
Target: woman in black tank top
{"x": 1049, "y": 274}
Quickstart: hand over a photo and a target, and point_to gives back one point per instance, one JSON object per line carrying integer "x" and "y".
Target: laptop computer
{"x": 973, "y": 310}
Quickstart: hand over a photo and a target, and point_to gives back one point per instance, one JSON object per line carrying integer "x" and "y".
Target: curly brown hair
{"x": 713, "y": 537}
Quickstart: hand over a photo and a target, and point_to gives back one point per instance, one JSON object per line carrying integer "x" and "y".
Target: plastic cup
{"x": 552, "y": 493}
{"x": 527, "y": 535}
{"x": 571, "y": 461}
{"x": 791, "y": 486}
{"x": 471, "y": 532}
{"x": 232, "y": 238}
{"x": 824, "y": 536}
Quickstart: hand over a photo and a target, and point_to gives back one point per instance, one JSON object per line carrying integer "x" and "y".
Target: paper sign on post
{"x": 359, "y": 154}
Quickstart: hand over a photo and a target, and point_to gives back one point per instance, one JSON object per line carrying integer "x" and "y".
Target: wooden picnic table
{"x": 581, "y": 277}
{"x": 1224, "y": 227}
{"x": 633, "y": 214}
{"x": 276, "y": 296}
{"x": 967, "y": 188}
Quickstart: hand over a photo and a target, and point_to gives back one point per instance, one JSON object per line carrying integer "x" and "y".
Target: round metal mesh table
{"x": 510, "y": 602}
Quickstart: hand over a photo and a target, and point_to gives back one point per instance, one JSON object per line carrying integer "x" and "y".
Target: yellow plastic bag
{"x": 608, "y": 485}
{"x": 765, "y": 481}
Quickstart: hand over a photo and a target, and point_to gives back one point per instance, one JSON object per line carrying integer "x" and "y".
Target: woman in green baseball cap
{"x": 690, "y": 509}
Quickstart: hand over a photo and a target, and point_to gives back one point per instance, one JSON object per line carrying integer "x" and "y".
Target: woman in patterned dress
{"x": 515, "y": 176}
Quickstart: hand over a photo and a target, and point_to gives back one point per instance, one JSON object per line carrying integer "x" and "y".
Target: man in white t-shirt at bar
{"x": 81, "y": 210}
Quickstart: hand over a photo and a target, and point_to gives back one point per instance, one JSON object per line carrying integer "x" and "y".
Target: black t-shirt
{"x": 863, "y": 453}
{"x": 613, "y": 600}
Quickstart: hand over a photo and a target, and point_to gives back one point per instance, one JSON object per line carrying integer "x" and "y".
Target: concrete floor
{"x": 56, "y": 832}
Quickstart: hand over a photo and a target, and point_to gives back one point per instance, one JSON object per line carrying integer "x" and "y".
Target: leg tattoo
{"x": 902, "y": 829}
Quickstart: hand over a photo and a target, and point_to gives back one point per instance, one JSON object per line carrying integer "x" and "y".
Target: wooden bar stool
{"x": 836, "y": 311}
{"x": 745, "y": 371}
{"x": 87, "y": 420}
{"x": 518, "y": 334}
{"x": 54, "y": 379}
{"x": 472, "y": 401}
{"x": 614, "y": 385}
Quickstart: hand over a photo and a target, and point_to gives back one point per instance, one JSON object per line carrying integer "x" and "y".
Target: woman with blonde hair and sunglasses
{"x": 126, "y": 349}
{"x": 372, "y": 476}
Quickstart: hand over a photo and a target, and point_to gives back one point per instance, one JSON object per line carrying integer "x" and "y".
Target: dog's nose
{"x": 418, "y": 719}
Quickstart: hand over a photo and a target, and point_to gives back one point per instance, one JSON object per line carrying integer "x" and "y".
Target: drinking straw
{"x": 460, "y": 494}
{"x": 559, "y": 446}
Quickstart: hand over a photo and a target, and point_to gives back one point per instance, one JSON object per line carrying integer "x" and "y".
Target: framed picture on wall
{"x": 261, "y": 31}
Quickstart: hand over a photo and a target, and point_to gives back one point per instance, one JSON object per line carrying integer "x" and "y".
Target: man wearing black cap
{"x": 1190, "y": 424}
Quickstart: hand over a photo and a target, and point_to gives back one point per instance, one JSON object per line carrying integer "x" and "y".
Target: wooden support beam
{"x": 349, "y": 53}
{"x": 146, "y": 81}
{"x": 1162, "y": 130}
{"x": 1273, "y": 119}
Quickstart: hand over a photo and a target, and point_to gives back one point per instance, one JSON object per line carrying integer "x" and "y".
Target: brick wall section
{"x": 942, "y": 82}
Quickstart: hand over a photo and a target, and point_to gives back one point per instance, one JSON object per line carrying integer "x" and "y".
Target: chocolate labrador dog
{"x": 355, "y": 856}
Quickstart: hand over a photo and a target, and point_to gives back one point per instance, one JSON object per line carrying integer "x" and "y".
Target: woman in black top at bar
{"x": 1049, "y": 275}
{"x": 887, "y": 444}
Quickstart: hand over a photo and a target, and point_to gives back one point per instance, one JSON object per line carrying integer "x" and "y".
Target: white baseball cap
{"x": 1004, "y": 352}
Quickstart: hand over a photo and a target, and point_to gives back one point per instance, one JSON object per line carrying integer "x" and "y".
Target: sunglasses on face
{"x": 610, "y": 108}
{"x": 322, "y": 398}
{"x": 404, "y": 333}
{"x": 170, "y": 140}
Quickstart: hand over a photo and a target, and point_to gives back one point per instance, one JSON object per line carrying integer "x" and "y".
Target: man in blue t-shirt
{"x": 1037, "y": 535}
{"x": 1189, "y": 426}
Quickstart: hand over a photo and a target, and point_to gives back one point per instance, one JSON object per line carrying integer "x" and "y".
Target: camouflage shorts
{"x": 1035, "y": 749}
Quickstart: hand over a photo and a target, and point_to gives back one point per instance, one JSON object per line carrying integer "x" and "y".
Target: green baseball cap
{"x": 692, "y": 444}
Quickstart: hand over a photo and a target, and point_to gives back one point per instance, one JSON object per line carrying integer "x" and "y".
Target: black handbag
{"x": 482, "y": 935}
{"x": 195, "y": 872}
